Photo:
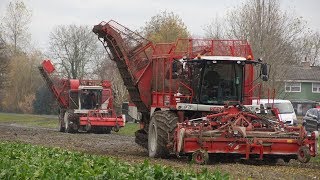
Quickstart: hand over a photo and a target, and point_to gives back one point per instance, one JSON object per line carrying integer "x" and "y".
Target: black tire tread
{"x": 166, "y": 123}
{"x": 307, "y": 155}
{"x": 71, "y": 118}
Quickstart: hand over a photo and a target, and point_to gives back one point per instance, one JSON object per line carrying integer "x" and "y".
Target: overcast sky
{"x": 134, "y": 13}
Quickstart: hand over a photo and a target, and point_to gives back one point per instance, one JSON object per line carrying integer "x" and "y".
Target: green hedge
{"x": 25, "y": 161}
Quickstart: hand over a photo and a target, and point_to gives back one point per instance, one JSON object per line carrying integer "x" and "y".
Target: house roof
{"x": 302, "y": 73}
{"x": 302, "y": 101}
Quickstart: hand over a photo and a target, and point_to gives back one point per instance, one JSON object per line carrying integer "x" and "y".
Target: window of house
{"x": 293, "y": 87}
{"x": 316, "y": 87}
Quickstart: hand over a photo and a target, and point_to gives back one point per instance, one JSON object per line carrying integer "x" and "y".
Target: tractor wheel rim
{"x": 301, "y": 154}
{"x": 153, "y": 138}
{"x": 66, "y": 121}
{"x": 66, "y": 124}
{"x": 199, "y": 158}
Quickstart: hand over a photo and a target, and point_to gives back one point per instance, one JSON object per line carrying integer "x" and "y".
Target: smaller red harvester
{"x": 85, "y": 105}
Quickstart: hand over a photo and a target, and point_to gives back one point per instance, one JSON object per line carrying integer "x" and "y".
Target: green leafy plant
{"x": 25, "y": 161}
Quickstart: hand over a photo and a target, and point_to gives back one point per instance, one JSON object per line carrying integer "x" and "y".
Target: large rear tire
{"x": 161, "y": 132}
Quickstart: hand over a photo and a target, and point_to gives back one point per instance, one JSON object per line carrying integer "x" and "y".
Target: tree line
{"x": 276, "y": 36}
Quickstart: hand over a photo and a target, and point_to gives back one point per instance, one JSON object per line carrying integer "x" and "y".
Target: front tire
{"x": 200, "y": 157}
{"x": 69, "y": 125}
{"x": 304, "y": 154}
{"x": 161, "y": 132}
{"x": 61, "y": 127}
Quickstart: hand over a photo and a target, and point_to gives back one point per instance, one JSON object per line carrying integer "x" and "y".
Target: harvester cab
{"x": 214, "y": 80}
{"x": 90, "y": 97}
{"x": 94, "y": 97}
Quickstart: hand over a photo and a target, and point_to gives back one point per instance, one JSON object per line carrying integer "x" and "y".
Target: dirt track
{"x": 124, "y": 148}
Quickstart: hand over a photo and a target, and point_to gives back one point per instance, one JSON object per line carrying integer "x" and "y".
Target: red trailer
{"x": 85, "y": 105}
{"x": 195, "y": 96}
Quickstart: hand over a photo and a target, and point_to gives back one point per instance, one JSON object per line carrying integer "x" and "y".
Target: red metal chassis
{"x": 234, "y": 134}
{"x": 97, "y": 118}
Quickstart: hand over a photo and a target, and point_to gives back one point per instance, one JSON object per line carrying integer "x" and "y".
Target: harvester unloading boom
{"x": 58, "y": 91}
{"x": 195, "y": 96}
{"x": 132, "y": 54}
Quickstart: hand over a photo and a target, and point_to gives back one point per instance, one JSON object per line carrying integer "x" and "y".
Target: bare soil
{"x": 124, "y": 148}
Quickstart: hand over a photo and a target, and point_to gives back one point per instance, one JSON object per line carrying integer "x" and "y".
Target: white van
{"x": 286, "y": 111}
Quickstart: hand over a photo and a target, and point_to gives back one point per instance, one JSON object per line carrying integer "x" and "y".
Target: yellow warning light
{"x": 249, "y": 57}
{"x": 289, "y": 141}
{"x": 199, "y": 56}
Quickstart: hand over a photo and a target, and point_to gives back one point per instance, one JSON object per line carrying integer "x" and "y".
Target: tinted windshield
{"x": 90, "y": 98}
{"x": 221, "y": 82}
{"x": 284, "y": 108}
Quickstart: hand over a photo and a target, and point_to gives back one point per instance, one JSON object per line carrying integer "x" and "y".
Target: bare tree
{"x": 24, "y": 80}
{"x": 74, "y": 47}
{"x": 4, "y": 62}
{"x": 310, "y": 48}
{"x": 272, "y": 33}
{"x": 216, "y": 29}
{"x": 19, "y": 76}
{"x": 107, "y": 70}
{"x": 15, "y": 24}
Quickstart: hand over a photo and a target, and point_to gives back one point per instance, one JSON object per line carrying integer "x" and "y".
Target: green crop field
{"x": 25, "y": 161}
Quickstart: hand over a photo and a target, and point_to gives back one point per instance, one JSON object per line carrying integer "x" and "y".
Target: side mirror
{"x": 264, "y": 72}
{"x": 176, "y": 66}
